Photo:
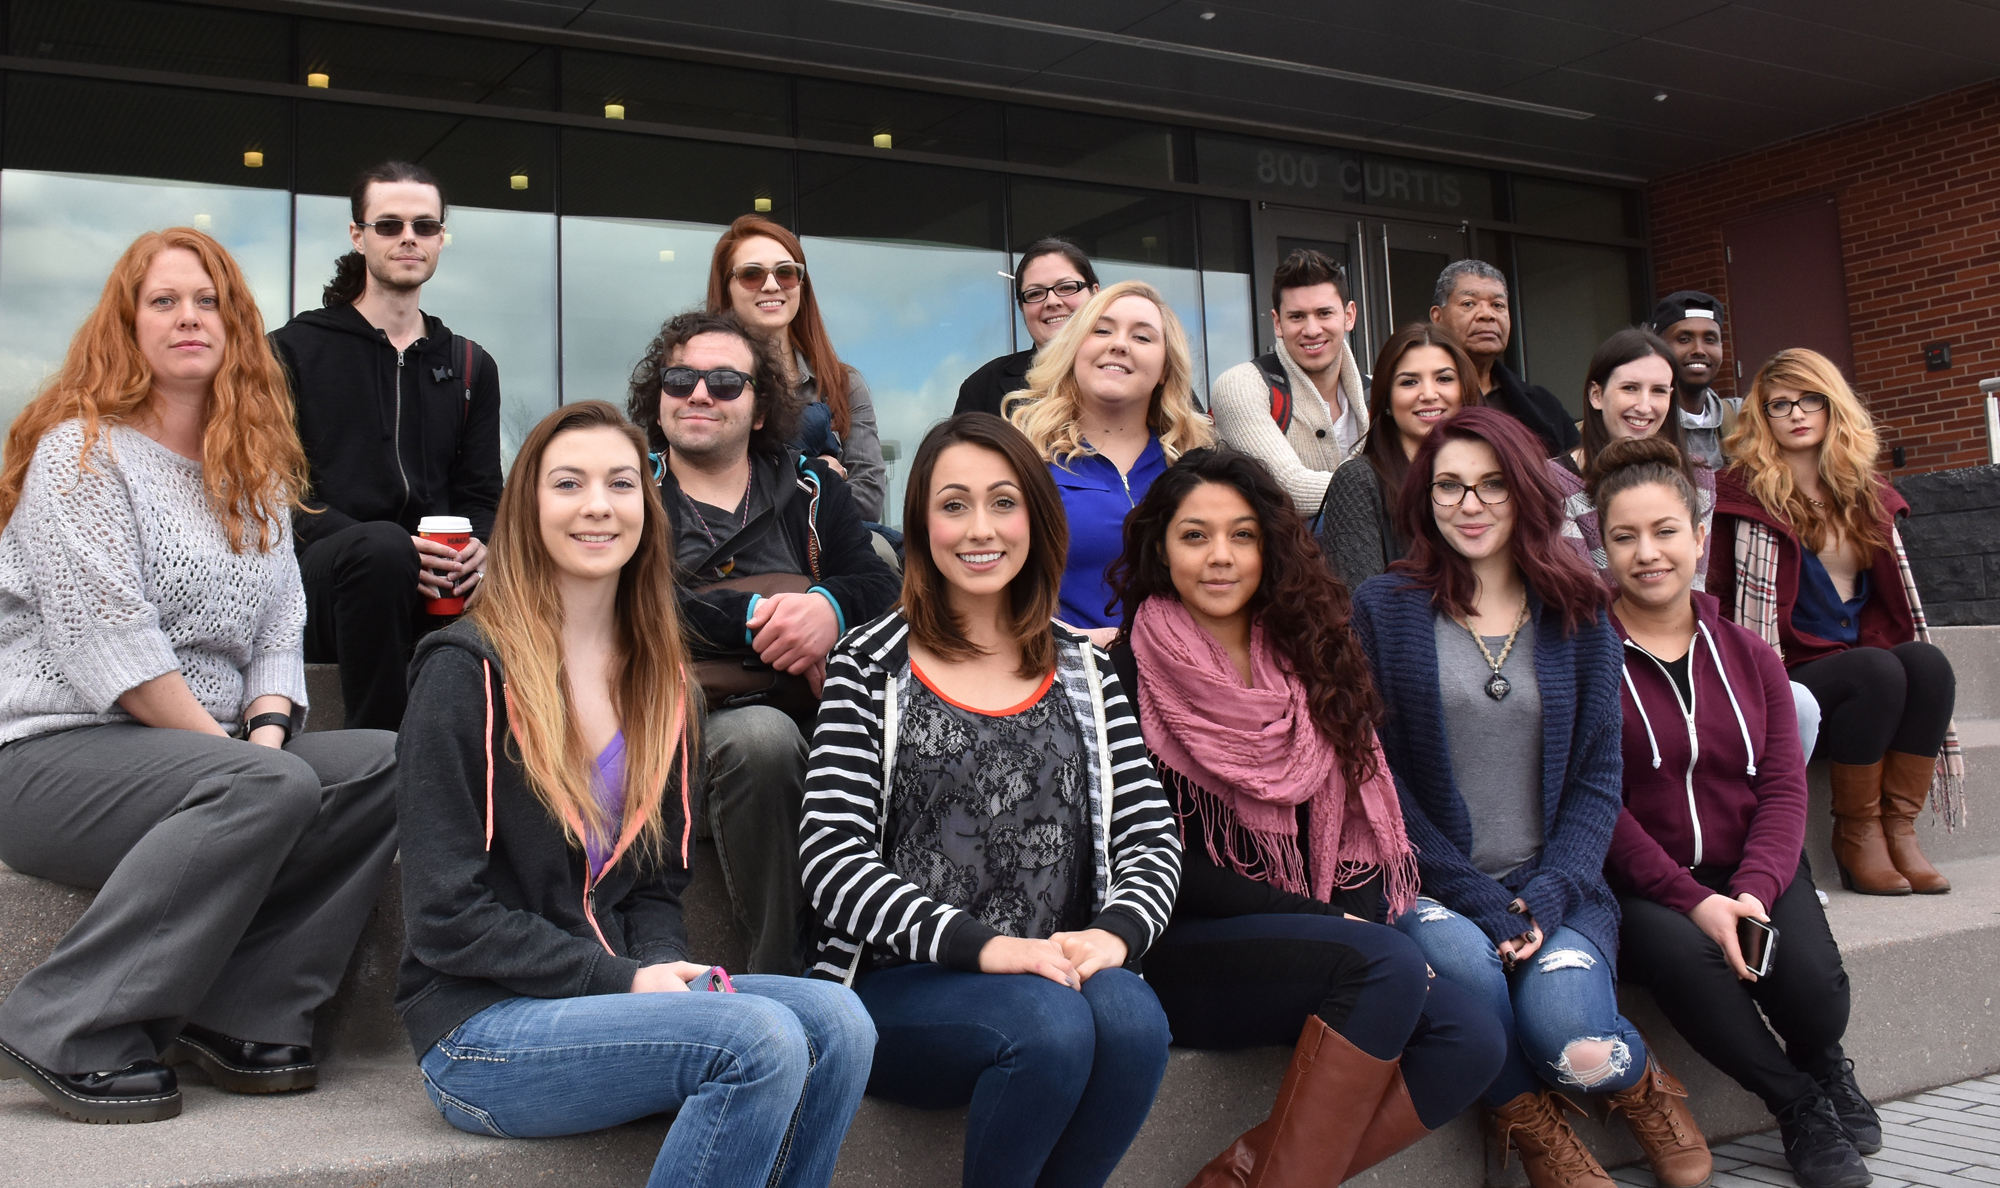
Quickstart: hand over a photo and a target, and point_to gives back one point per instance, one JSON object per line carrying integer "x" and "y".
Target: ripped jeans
{"x": 1562, "y": 995}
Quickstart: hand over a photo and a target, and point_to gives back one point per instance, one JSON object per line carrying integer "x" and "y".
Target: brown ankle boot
{"x": 1860, "y": 849}
{"x": 1656, "y": 1110}
{"x": 1394, "y": 1126}
{"x": 1314, "y": 1127}
{"x": 1551, "y": 1153}
{"x": 1906, "y": 785}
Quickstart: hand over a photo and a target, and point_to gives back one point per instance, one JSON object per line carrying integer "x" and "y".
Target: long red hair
{"x": 252, "y": 463}
{"x": 807, "y": 330}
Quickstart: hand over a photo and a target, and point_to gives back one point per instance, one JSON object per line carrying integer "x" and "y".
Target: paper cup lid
{"x": 444, "y": 524}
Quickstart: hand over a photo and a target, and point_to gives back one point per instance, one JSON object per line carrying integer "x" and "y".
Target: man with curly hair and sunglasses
{"x": 773, "y": 564}
{"x": 400, "y": 419}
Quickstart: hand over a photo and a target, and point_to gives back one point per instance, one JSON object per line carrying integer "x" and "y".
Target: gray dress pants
{"x": 233, "y": 881}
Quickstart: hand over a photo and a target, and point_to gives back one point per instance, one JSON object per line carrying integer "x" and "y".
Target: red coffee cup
{"x": 454, "y": 532}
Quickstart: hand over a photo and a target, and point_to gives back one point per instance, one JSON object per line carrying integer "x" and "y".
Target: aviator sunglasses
{"x": 724, "y": 383}
{"x": 391, "y": 228}
{"x": 751, "y": 276}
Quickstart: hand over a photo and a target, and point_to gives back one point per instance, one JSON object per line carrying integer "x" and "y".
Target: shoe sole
{"x": 102, "y": 1111}
{"x": 286, "y": 1079}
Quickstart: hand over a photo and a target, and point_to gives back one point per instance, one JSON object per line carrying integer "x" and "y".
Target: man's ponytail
{"x": 350, "y": 278}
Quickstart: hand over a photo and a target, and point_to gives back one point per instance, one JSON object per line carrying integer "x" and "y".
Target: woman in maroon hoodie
{"x": 1714, "y": 827}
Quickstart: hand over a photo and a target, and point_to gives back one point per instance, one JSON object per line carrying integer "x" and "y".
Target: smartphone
{"x": 1759, "y": 941}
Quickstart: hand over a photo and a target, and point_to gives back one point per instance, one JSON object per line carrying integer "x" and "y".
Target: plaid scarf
{"x": 1757, "y": 610}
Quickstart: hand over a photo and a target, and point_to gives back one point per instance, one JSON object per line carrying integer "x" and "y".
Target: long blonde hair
{"x": 1846, "y": 458}
{"x": 521, "y": 614}
{"x": 1048, "y": 411}
{"x": 252, "y": 465}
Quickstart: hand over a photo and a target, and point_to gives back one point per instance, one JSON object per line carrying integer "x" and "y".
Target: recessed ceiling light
{"x": 884, "y": 140}
{"x": 762, "y": 205}
{"x": 319, "y": 80}
{"x": 614, "y": 111}
{"x": 1207, "y": 16}
{"x": 252, "y": 159}
{"x": 519, "y": 181}
{"x": 1660, "y": 98}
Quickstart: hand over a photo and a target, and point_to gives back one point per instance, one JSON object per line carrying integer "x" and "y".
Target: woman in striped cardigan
{"x": 984, "y": 840}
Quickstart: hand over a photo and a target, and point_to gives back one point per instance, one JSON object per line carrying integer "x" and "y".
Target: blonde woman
{"x": 546, "y": 982}
{"x": 1109, "y": 406}
{"x": 1806, "y": 554}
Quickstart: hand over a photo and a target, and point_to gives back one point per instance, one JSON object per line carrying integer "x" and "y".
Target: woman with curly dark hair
{"x": 1255, "y": 701}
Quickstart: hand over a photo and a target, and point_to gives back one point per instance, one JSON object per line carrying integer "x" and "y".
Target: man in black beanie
{"x": 1691, "y": 322}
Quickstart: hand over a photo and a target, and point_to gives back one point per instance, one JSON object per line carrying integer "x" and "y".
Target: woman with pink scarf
{"x": 1256, "y": 703}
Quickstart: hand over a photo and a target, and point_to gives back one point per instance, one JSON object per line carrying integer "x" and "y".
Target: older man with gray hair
{"x": 1471, "y": 302}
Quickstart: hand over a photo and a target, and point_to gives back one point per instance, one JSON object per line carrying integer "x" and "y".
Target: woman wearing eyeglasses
{"x": 1807, "y": 556}
{"x": 1052, "y": 282}
{"x": 1500, "y": 678}
{"x": 759, "y": 271}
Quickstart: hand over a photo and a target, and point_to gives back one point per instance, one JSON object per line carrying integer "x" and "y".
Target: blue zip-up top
{"x": 1098, "y": 498}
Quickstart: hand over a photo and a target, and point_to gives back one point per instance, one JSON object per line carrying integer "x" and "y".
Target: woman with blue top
{"x": 1491, "y": 638}
{"x": 1109, "y": 405}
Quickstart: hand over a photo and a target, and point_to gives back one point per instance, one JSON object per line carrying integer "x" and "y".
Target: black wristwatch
{"x": 262, "y": 720}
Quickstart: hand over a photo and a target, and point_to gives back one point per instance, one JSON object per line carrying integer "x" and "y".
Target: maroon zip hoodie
{"x": 1722, "y": 786}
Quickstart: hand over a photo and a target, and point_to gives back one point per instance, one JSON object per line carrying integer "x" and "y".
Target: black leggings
{"x": 1804, "y": 996}
{"x": 1873, "y": 701}
{"x": 1253, "y": 980}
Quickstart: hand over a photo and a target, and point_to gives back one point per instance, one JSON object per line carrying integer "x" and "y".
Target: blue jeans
{"x": 767, "y": 1078}
{"x": 1562, "y": 995}
{"x": 1059, "y": 1081}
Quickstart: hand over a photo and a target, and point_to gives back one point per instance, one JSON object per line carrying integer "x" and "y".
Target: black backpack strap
{"x": 463, "y": 348}
{"x": 1273, "y": 370}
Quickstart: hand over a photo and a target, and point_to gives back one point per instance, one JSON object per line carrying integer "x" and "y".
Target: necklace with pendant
{"x": 1497, "y": 686}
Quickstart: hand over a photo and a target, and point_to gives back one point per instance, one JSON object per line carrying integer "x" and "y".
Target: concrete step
{"x": 1975, "y": 660}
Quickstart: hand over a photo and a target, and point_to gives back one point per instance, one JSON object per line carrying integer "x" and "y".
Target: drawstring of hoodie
{"x": 1741, "y": 725}
{"x": 1643, "y": 716}
{"x": 486, "y": 668}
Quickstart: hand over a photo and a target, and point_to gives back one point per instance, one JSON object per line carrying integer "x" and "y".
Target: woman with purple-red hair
{"x": 1491, "y": 635}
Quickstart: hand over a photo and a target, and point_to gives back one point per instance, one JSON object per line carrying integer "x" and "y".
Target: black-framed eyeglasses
{"x": 724, "y": 383}
{"x": 1037, "y": 294}
{"x": 751, "y": 276}
{"x": 1451, "y": 493}
{"x": 1811, "y": 402}
{"x": 391, "y": 228}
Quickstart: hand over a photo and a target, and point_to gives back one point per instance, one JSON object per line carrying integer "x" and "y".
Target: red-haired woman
{"x": 152, "y": 676}
{"x": 759, "y": 271}
{"x": 1491, "y": 635}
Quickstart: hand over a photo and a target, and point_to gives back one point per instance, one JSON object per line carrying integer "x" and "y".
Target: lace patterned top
{"x": 114, "y": 574}
{"x": 987, "y": 811}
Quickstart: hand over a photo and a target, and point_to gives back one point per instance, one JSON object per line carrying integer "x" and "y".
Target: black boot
{"x": 142, "y": 1091}
{"x": 244, "y": 1066}
{"x": 1864, "y": 1127}
{"x": 1817, "y": 1146}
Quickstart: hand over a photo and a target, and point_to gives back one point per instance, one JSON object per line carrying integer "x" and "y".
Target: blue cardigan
{"x": 1582, "y": 766}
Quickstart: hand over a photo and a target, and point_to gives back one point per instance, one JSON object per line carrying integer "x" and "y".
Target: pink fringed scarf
{"x": 1253, "y": 756}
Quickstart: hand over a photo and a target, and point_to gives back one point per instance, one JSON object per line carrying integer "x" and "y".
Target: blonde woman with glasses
{"x": 1807, "y": 555}
{"x": 1109, "y": 406}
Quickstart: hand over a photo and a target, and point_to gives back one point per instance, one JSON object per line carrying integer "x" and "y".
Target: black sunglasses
{"x": 391, "y": 228}
{"x": 724, "y": 383}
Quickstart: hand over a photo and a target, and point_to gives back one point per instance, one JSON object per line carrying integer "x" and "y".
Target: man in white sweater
{"x": 1301, "y": 409}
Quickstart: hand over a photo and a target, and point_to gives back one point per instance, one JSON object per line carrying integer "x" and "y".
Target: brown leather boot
{"x": 1906, "y": 785}
{"x": 1394, "y": 1126}
{"x": 1314, "y": 1127}
{"x": 1860, "y": 849}
{"x": 1656, "y": 1110}
{"x": 1551, "y": 1153}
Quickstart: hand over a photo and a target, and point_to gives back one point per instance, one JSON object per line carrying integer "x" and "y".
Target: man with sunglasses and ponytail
{"x": 400, "y": 419}
{"x": 773, "y": 564}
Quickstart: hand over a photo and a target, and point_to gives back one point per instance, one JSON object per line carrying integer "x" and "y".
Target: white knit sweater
{"x": 117, "y": 573}
{"x": 1304, "y": 457}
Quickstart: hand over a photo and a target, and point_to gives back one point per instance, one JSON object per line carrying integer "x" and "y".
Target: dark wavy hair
{"x": 1551, "y": 568}
{"x": 1383, "y": 443}
{"x": 1629, "y": 346}
{"x": 350, "y": 272}
{"x": 1305, "y": 608}
{"x": 1031, "y": 596}
{"x": 775, "y": 400}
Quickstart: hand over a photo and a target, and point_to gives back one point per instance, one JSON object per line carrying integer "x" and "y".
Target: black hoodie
{"x": 390, "y": 435}
{"x": 494, "y": 894}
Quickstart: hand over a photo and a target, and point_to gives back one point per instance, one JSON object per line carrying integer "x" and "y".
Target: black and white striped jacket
{"x": 861, "y": 900}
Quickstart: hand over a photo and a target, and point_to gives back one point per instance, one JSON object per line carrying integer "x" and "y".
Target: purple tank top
{"x": 608, "y": 785}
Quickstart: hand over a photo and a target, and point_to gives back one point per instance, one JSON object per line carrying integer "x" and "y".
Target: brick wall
{"x": 1918, "y": 190}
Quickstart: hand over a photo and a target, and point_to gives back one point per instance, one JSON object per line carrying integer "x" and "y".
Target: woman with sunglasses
{"x": 1500, "y": 679}
{"x": 1823, "y": 579}
{"x": 759, "y": 272}
{"x": 1053, "y": 280}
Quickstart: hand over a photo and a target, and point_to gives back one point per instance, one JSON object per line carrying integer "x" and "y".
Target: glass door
{"x": 1408, "y": 258}
{"x": 1279, "y": 231}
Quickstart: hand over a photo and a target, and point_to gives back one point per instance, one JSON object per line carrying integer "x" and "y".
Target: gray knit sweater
{"x": 1356, "y": 534}
{"x": 118, "y": 572}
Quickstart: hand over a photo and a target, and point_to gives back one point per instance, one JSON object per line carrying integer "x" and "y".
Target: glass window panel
{"x": 1096, "y": 144}
{"x": 621, "y": 175}
{"x": 912, "y": 120}
{"x": 1228, "y": 301}
{"x": 477, "y": 161}
{"x": 495, "y": 284}
{"x": 1568, "y": 208}
{"x": 862, "y": 199}
{"x": 63, "y": 232}
{"x": 231, "y": 43}
{"x": 427, "y": 65}
{"x": 1572, "y": 296}
{"x": 687, "y": 93}
{"x": 621, "y": 279}
{"x": 78, "y": 126}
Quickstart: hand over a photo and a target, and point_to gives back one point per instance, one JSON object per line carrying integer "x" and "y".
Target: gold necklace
{"x": 1497, "y": 686}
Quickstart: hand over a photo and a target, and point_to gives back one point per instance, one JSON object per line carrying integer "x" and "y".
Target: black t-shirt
{"x": 1678, "y": 671}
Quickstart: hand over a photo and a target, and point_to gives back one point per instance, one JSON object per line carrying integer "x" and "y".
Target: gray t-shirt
{"x": 700, "y": 529}
{"x": 1495, "y": 746}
